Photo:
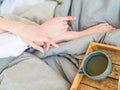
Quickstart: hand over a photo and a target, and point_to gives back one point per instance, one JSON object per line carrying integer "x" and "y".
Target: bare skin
{"x": 56, "y": 26}
{"x": 34, "y": 35}
{"x": 71, "y": 35}
{"x": 2, "y": 31}
{"x": 28, "y": 33}
{"x": 55, "y": 29}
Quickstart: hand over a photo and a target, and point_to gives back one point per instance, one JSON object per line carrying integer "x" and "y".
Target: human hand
{"x": 34, "y": 36}
{"x": 100, "y": 28}
{"x": 71, "y": 35}
{"x": 56, "y": 26}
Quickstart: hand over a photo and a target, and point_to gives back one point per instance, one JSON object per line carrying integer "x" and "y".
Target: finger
{"x": 66, "y": 26}
{"x": 39, "y": 43}
{"x": 37, "y": 47}
{"x": 65, "y": 23}
{"x": 47, "y": 40}
{"x": 46, "y": 46}
{"x": 106, "y": 24}
{"x": 67, "y": 18}
{"x": 111, "y": 27}
{"x": 53, "y": 44}
{"x": 112, "y": 30}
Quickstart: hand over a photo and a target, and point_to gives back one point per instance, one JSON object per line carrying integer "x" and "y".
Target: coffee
{"x": 96, "y": 65}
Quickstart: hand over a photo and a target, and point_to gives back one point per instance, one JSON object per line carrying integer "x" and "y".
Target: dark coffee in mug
{"x": 96, "y": 65}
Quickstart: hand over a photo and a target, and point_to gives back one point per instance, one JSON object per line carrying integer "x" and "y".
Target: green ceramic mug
{"x": 97, "y": 65}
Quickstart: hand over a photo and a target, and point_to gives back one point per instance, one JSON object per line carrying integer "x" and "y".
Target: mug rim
{"x": 88, "y": 58}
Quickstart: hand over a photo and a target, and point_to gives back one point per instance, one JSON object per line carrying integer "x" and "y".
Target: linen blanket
{"x": 65, "y": 60}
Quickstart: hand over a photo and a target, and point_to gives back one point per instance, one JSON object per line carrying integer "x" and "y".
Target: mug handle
{"x": 80, "y": 71}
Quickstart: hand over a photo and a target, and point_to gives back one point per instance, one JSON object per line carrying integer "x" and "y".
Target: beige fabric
{"x": 37, "y": 13}
{"x": 71, "y": 50}
{"x": 32, "y": 74}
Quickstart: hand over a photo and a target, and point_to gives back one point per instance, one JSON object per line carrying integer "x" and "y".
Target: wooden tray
{"x": 111, "y": 82}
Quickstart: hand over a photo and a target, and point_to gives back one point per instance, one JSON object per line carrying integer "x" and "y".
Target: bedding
{"x": 15, "y": 46}
{"x": 64, "y": 61}
{"x": 12, "y": 4}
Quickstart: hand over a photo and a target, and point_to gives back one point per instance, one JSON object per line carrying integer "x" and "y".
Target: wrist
{"x": 22, "y": 28}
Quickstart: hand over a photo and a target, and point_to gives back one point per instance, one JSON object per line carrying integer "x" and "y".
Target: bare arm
{"x": 71, "y": 35}
{"x": 35, "y": 35}
{"x": 29, "y": 33}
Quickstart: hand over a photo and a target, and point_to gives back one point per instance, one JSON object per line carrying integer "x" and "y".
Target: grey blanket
{"x": 65, "y": 60}
{"x": 88, "y": 13}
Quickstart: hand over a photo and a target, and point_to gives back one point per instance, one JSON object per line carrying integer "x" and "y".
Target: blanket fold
{"x": 88, "y": 13}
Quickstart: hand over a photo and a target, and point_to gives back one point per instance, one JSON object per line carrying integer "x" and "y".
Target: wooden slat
{"x": 78, "y": 77}
{"x": 115, "y": 71}
{"x": 86, "y": 87}
{"x": 105, "y": 84}
{"x": 109, "y": 83}
{"x": 113, "y": 54}
{"x": 76, "y": 82}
